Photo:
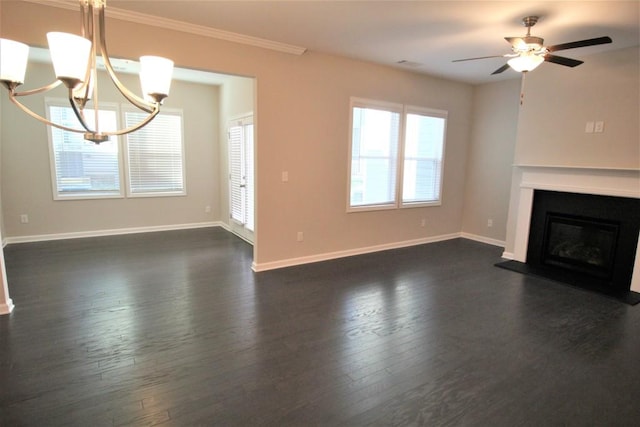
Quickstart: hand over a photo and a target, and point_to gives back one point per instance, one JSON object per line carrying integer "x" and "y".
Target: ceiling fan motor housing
{"x": 529, "y": 21}
{"x": 529, "y": 43}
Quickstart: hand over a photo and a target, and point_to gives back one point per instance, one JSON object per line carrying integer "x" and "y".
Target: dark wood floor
{"x": 175, "y": 329}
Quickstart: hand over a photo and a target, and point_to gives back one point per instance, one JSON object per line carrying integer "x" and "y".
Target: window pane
{"x": 155, "y": 154}
{"x": 83, "y": 168}
{"x": 424, "y": 145}
{"x": 374, "y": 156}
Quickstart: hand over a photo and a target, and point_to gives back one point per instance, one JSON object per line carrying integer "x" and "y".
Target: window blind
{"x": 423, "y": 150}
{"x": 241, "y": 175}
{"x": 155, "y": 155}
{"x": 236, "y": 174}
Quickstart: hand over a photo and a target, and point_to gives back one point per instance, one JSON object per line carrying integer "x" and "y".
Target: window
{"x": 423, "y": 152}
{"x": 154, "y": 155}
{"x": 83, "y": 170}
{"x": 395, "y": 150}
{"x": 374, "y": 151}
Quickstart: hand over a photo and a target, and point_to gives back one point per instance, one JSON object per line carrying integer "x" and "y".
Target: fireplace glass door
{"x": 580, "y": 244}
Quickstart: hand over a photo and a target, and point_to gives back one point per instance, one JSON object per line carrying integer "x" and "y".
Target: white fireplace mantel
{"x": 585, "y": 180}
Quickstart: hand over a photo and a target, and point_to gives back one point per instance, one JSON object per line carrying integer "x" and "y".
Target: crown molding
{"x": 201, "y": 30}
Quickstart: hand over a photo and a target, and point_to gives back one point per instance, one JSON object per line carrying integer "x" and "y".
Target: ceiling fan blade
{"x": 562, "y": 60}
{"x": 501, "y": 69}
{"x": 580, "y": 43}
{"x": 479, "y": 57}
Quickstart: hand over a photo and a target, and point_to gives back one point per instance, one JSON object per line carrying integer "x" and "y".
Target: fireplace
{"x": 577, "y": 225}
{"x": 584, "y": 239}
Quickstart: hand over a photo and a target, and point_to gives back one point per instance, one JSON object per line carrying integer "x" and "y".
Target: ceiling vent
{"x": 410, "y": 64}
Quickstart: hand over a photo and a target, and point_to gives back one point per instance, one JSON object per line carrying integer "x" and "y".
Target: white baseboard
{"x": 113, "y": 232}
{"x": 483, "y": 239}
{"x": 257, "y": 267}
{"x": 7, "y": 307}
{"x": 508, "y": 255}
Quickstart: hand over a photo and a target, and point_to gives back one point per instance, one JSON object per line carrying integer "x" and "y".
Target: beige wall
{"x": 303, "y": 128}
{"x": 493, "y": 140}
{"x": 26, "y": 173}
{"x": 560, "y": 100}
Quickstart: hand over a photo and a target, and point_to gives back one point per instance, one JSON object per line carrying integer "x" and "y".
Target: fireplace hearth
{"x": 583, "y": 240}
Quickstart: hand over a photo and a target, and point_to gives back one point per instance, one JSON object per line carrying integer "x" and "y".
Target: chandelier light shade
{"x": 155, "y": 76}
{"x": 13, "y": 61}
{"x": 526, "y": 62}
{"x": 74, "y": 62}
{"x": 70, "y": 56}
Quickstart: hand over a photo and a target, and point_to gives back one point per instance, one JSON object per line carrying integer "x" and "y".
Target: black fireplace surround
{"x": 584, "y": 240}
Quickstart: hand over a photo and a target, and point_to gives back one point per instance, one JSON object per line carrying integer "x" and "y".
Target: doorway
{"x": 240, "y": 133}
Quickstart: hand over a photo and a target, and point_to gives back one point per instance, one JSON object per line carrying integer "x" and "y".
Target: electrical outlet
{"x": 423, "y": 222}
{"x": 207, "y": 209}
{"x": 24, "y": 219}
{"x": 589, "y": 127}
{"x": 598, "y": 127}
{"x": 300, "y": 236}
{"x": 285, "y": 176}
{"x": 489, "y": 223}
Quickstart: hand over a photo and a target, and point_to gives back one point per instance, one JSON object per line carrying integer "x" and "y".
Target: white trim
{"x": 171, "y": 24}
{"x": 483, "y": 239}
{"x": 576, "y": 168}
{"x": 7, "y": 307}
{"x": 258, "y": 267}
{"x": 508, "y": 255}
{"x": 582, "y": 189}
{"x": 112, "y": 232}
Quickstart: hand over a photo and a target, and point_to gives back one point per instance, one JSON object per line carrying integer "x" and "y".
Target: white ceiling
{"x": 428, "y": 33}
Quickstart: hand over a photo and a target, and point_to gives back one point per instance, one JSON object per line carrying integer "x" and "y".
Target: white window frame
{"x": 403, "y": 110}
{"x": 126, "y": 156}
{"x": 57, "y": 102}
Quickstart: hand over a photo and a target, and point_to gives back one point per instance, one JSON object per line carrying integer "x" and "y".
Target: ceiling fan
{"x": 529, "y": 52}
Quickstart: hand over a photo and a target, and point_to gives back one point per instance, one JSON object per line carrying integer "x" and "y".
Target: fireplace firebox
{"x": 584, "y": 240}
{"x": 583, "y": 245}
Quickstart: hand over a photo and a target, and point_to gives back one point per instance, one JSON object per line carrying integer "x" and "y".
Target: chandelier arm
{"x": 78, "y": 112}
{"x": 40, "y": 118}
{"x": 151, "y": 116}
{"x": 46, "y": 88}
{"x": 130, "y": 96}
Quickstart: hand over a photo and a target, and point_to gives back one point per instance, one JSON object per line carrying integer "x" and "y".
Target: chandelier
{"x": 74, "y": 63}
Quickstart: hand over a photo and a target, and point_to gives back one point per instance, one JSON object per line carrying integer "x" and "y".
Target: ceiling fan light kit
{"x": 525, "y": 63}
{"x": 529, "y": 52}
